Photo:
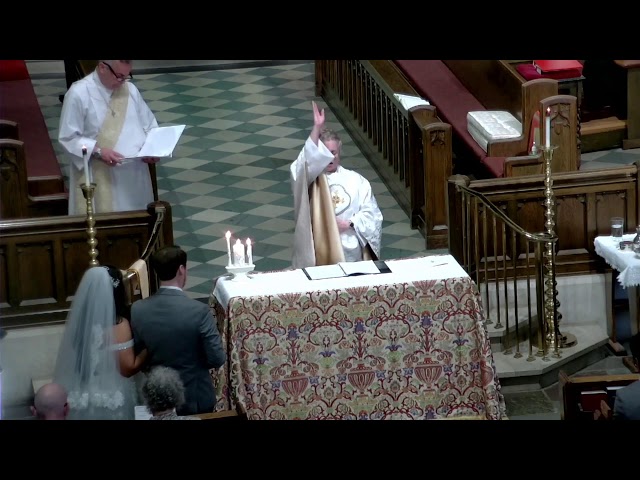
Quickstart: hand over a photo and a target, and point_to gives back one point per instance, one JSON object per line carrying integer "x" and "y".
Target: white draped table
{"x": 410, "y": 344}
{"x": 627, "y": 264}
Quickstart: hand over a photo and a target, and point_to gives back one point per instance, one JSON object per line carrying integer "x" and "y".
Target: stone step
{"x": 592, "y": 346}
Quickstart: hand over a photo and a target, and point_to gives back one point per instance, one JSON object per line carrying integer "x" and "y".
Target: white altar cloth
{"x": 434, "y": 267}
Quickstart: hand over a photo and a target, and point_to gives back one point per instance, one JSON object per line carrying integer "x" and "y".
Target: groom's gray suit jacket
{"x": 627, "y": 403}
{"x": 180, "y": 332}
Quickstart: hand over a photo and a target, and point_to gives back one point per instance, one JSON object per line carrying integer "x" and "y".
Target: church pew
{"x": 434, "y": 80}
{"x": 9, "y": 129}
{"x": 498, "y": 86}
{"x": 632, "y": 67}
{"x": 610, "y": 110}
{"x": 43, "y": 259}
{"x": 15, "y": 200}
{"x": 410, "y": 150}
{"x": 582, "y": 396}
{"x": 20, "y": 104}
{"x": 584, "y": 203}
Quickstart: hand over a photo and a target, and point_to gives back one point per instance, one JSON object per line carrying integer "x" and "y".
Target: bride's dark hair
{"x": 123, "y": 310}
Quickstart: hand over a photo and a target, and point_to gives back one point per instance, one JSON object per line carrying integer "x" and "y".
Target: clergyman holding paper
{"x": 105, "y": 114}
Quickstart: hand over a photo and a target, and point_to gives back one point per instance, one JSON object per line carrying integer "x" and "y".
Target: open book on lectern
{"x": 160, "y": 142}
{"x": 346, "y": 269}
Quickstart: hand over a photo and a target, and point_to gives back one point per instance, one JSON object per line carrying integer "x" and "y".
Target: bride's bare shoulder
{"x": 122, "y": 331}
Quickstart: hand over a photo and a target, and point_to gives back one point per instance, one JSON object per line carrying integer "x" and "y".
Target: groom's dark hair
{"x": 166, "y": 261}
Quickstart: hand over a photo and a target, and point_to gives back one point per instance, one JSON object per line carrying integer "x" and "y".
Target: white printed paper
{"x": 160, "y": 142}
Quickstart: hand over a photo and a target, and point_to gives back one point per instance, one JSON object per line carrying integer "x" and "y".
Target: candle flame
{"x": 228, "y": 234}
{"x": 238, "y": 242}
{"x": 248, "y": 241}
{"x": 548, "y": 110}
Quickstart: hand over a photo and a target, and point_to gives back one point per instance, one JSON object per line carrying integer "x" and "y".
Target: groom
{"x": 179, "y": 332}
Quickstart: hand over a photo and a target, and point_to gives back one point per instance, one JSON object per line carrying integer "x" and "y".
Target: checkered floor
{"x": 230, "y": 170}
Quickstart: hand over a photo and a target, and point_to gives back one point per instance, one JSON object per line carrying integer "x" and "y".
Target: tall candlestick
{"x": 547, "y": 142}
{"x": 87, "y": 182}
{"x": 238, "y": 253}
{"x": 249, "y": 254}
{"x": 228, "y": 235}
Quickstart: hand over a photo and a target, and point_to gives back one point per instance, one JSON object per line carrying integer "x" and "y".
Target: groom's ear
{"x": 34, "y": 412}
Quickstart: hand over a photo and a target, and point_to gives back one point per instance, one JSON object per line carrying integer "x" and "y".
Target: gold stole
{"x": 326, "y": 237}
{"x": 107, "y": 138}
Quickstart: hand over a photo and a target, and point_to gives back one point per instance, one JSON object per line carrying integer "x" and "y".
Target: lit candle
{"x": 249, "y": 255}
{"x": 238, "y": 253}
{"x": 228, "y": 235}
{"x": 86, "y": 166}
{"x": 547, "y": 142}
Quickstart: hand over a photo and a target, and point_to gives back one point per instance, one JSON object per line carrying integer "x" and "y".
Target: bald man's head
{"x": 50, "y": 402}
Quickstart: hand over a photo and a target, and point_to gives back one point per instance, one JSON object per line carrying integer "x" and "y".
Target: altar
{"x": 409, "y": 344}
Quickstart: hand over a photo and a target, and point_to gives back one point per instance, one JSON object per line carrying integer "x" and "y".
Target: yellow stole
{"x": 107, "y": 138}
{"x": 326, "y": 237}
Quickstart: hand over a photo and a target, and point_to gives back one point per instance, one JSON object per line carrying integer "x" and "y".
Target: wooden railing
{"x": 43, "y": 259}
{"x": 410, "y": 150}
{"x": 515, "y": 271}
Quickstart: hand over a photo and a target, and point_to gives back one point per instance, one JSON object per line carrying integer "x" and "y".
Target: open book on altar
{"x": 346, "y": 269}
{"x": 160, "y": 142}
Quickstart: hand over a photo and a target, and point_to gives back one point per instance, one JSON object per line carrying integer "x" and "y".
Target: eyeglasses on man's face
{"x": 118, "y": 76}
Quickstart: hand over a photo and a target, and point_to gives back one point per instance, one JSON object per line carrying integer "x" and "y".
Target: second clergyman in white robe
{"x": 352, "y": 200}
{"x": 84, "y": 110}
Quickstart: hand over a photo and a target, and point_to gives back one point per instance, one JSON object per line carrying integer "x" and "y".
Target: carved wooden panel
{"x": 13, "y": 179}
{"x": 612, "y": 204}
{"x": 122, "y": 250}
{"x": 75, "y": 260}
{"x": 36, "y": 257}
{"x": 571, "y": 223}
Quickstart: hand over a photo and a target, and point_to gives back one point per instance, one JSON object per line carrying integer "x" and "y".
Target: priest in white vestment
{"x": 106, "y": 114}
{"x": 337, "y": 216}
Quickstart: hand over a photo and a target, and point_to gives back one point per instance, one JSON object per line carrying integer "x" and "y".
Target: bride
{"x": 96, "y": 361}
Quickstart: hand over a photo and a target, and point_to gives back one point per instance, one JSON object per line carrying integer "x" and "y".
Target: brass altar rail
{"x": 498, "y": 251}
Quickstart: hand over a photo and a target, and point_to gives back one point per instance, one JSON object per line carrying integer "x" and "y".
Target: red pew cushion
{"x": 13, "y": 70}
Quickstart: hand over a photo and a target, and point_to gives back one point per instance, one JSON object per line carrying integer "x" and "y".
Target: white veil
{"x": 87, "y": 364}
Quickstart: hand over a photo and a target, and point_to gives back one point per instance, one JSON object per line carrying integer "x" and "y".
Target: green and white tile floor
{"x": 230, "y": 170}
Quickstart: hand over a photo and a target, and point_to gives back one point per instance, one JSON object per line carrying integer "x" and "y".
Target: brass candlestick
{"x": 554, "y": 339}
{"x": 88, "y": 191}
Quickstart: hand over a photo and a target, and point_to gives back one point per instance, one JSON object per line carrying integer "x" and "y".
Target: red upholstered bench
{"x": 436, "y": 83}
{"x": 13, "y": 70}
{"x": 19, "y": 103}
{"x": 529, "y": 72}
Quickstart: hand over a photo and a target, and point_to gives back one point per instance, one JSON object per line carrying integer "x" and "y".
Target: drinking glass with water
{"x": 617, "y": 227}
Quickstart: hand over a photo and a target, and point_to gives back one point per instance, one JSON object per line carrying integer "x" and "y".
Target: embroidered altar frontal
{"x": 403, "y": 350}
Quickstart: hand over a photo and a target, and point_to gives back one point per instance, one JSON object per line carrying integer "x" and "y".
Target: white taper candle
{"x": 87, "y": 181}
{"x": 238, "y": 253}
{"x": 547, "y": 142}
{"x": 228, "y": 235}
{"x": 249, "y": 254}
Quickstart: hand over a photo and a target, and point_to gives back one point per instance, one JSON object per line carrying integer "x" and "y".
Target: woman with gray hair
{"x": 163, "y": 392}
